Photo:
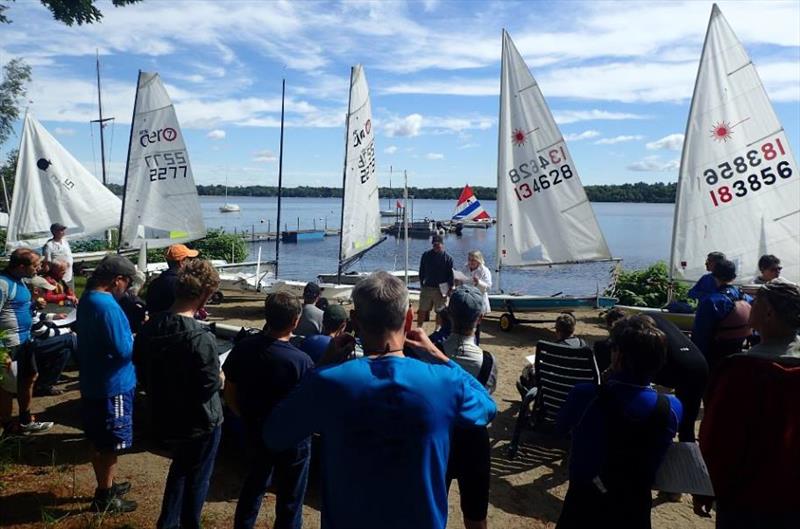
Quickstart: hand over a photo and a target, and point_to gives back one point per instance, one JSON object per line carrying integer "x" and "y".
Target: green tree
{"x": 7, "y": 172}
{"x": 220, "y": 245}
{"x": 648, "y": 287}
{"x": 71, "y": 11}
{"x": 13, "y": 87}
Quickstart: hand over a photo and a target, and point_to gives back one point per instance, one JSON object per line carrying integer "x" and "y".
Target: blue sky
{"x": 618, "y": 77}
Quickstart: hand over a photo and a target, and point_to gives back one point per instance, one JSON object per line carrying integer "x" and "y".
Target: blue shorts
{"x": 108, "y": 422}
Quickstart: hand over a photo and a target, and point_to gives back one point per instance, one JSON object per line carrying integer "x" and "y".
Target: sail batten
{"x": 161, "y": 204}
{"x": 52, "y": 186}
{"x": 738, "y": 184}
{"x": 361, "y": 223}
{"x": 543, "y": 213}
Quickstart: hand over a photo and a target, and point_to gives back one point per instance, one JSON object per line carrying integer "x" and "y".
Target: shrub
{"x": 220, "y": 245}
{"x": 648, "y": 287}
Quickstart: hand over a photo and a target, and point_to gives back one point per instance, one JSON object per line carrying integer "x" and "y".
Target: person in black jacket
{"x": 183, "y": 386}
{"x": 435, "y": 272}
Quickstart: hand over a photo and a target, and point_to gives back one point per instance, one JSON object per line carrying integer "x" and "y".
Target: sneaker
{"x": 112, "y": 505}
{"x": 121, "y": 489}
{"x": 35, "y": 426}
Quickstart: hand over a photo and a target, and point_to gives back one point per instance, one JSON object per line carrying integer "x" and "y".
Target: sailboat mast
{"x": 344, "y": 174}
{"x": 500, "y": 212}
{"x": 280, "y": 183}
{"x": 714, "y": 13}
{"x": 405, "y": 219}
{"x": 128, "y": 162}
{"x": 101, "y": 121}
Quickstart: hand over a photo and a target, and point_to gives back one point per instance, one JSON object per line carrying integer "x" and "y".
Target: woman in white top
{"x": 480, "y": 276}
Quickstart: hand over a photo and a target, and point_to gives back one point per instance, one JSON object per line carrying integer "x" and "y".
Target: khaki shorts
{"x": 431, "y": 298}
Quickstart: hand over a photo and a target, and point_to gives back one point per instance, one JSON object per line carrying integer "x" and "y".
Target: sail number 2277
{"x": 166, "y": 165}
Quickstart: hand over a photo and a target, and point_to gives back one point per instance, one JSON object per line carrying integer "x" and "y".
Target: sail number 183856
{"x": 757, "y": 163}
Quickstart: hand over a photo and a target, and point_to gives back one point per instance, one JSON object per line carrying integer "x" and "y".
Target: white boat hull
{"x": 329, "y": 290}
{"x": 229, "y": 208}
{"x": 351, "y": 278}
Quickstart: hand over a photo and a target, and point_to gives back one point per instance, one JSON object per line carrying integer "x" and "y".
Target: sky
{"x": 618, "y": 77}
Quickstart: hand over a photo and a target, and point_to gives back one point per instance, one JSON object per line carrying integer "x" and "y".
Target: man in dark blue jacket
{"x": 435, "y": 273}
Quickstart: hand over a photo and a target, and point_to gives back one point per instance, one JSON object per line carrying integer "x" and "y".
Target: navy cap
{"x": 334, "y": 316}
{"x": 466, "y": 304}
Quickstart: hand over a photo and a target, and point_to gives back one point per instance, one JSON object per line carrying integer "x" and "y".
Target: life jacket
{"x": 735, "y": 325}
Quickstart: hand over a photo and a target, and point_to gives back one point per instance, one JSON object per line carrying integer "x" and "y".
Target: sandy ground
{"x": 47, "y": 481}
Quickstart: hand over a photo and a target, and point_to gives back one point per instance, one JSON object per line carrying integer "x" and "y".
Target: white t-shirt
{"x": 59, "y": 251}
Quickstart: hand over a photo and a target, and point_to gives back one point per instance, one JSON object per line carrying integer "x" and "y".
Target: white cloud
{"x": 407, "y": 126}
{"x": 672, "y": 142}
{"x": 564, "y": 117}
{"x": 653, "y": 164}
{"x": 578, "y": 136}
{"x": 216, "y": 134}
{"x": 264, "y": 155}
{"x": 468, "y": 146}
{"x": 434, "y": 156}
{"x": 63, "y": 131}
{"x": 618, "y": 139}
{"x": 391, "y": 149}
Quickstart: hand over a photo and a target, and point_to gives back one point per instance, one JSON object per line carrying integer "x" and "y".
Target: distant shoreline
{"x": 642, "y": 192}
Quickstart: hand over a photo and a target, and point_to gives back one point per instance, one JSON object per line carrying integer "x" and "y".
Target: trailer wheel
{"x": 216, "y": 298}
{"x": 506, "y": 322}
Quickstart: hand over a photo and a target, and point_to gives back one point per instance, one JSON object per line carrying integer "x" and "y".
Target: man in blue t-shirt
{"x": 107, "y": 377}
{"x": 385, "y": 419}
{"x": 16, "y": 319}
{"x": 706, "y": 285}
{"x": 260, "y": 371}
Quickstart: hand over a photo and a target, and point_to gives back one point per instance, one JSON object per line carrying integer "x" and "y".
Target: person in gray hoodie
{"x": 183, "y": 385}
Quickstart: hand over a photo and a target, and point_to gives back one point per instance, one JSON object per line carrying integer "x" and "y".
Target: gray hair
{"x": 477, "y": 255}
{"x": 381, "y": 303}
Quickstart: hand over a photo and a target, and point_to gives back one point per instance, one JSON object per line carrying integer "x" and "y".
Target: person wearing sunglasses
{"x": 769, "y": 268}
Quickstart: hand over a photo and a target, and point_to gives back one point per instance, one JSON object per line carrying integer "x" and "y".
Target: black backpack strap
{"x": 486, "y": 368}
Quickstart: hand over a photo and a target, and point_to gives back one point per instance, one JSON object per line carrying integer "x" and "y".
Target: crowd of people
{"x": 392, "y": 414}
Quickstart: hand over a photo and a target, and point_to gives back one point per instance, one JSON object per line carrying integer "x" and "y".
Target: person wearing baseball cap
{"x": 107, "y": 377}
{"x": 161, "y": 292}
{"x": 334, "y": 321}
{"x": 57, "y": 249}
{"x": 470, "y": 461}
{"x": 311, "y": 318}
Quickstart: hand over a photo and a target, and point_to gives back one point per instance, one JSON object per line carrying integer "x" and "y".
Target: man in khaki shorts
{"x": 435, "y": 277}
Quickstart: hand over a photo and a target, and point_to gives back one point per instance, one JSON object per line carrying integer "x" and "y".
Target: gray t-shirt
{"x": 310, "y": 321}
{"x": 463, "y": 351}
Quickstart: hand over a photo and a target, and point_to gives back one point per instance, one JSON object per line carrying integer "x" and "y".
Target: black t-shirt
{"x": 161, "y": 292}
{"x": 435, "y": 268}
{"x": 264, "y": 371}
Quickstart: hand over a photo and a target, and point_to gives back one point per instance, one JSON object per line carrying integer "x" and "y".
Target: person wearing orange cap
{"x": 161, "y": 292}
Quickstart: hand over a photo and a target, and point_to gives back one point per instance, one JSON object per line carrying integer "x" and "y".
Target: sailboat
{"x": 361, "y": 222}
{"x": 469, "y": 211}
{"x": 52, "y": 186}
{"x": 738, "y": 185}
{"x": 389, "y": 212}
{"x": 543, "y": 214}
{"x": 160, "y": 206}
{"x": 228, "y": 207}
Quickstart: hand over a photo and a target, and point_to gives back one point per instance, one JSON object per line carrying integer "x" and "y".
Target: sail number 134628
{"x": 533, "y": 177}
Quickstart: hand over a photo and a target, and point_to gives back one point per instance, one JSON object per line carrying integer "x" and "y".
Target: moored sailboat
{"x": 543, "y": 214}
{"x": 738, "y": 185}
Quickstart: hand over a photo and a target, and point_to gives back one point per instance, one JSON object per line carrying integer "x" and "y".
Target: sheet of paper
{"x": 69, "y": 320}
{"x": 458, "y": 275}
{"x": 444, "y": 288}
{"x": 531, "y": 359}
{"x": 684, "y": 471}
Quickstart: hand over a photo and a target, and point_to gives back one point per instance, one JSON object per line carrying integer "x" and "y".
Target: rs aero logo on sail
{"x": 166, "y": 134}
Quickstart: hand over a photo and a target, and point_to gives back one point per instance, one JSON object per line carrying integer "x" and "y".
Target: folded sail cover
{"x": 52, "y": 186}
{"x": 161, "y": 205}
{"x": 543, "y": 214}
{"x": 361, "y": 228}
{"x": 469, "y": 207}
{"x": 738, "y": 190}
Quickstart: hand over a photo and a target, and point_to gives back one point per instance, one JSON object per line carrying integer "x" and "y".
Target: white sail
{"x": 361, "y": 221}
{"x": 52, "y": 186}
{"x": 160, "y": 206}
{"x": 738, "y": 190}
{"x": 543, "y": 214}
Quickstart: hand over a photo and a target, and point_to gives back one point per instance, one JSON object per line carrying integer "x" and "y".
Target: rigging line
{"x": 111, "y": 143}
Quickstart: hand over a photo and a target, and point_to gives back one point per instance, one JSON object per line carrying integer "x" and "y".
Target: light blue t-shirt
{"x": 385, "y": 426}
{"x": 16, "y": 315}
{"x": 105, "y": 347}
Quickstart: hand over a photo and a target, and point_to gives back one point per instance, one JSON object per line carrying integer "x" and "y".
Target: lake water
{"x": 639, "y": 234}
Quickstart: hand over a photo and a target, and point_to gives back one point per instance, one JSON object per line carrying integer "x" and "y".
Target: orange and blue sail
{"x": 469, "y": 207}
